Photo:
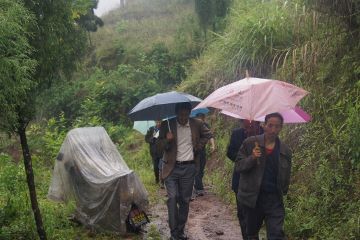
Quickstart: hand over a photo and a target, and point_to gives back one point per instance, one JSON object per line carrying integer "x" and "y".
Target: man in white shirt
{"x": 181, "y": 139}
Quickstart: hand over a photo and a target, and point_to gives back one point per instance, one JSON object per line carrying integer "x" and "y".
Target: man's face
{"x": 158, "y": 123}
{"x": 272, "y": 128}
{"x": 183, "y": 116}
{"x": 251, "y": 127}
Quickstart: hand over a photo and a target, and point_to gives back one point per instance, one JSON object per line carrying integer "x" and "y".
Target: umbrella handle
{"x": 257, "y": 147}
{"x": 168, "y": 124}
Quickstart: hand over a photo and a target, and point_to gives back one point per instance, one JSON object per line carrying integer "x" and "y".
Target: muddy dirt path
{"x": 209, "y": 218}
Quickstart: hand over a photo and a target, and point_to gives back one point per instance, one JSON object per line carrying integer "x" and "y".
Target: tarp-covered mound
{"x": 91, "y": 171}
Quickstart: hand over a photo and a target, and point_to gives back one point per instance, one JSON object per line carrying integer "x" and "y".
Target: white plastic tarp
{"x": 91, "y": 171}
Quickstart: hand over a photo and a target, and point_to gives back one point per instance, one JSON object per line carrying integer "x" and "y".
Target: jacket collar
{"x": 283, "y": 148}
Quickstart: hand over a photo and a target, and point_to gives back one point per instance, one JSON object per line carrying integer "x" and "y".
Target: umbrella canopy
{"x": 296, "y": 115}
{"x": 160, "y": 106}
{"x": 252, "y": 98}
{"x": 196, "y": 111}
{"x": 143, "y": 126}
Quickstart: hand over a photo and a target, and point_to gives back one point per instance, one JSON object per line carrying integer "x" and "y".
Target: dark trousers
{"x": 241, "y": 217}
{"x": 156, "y": 161}
{"x": 269, "y": 207}
{"x": 199, "y": 176}
{"x": 179, "y": 185}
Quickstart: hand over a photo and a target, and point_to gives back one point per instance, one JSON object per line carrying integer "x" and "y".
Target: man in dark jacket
{"x": 151, "y": 138}
{"x": 238, "y": 135}
{"x": 264, "y": 163}
{"x": 199, "y": 186}
{"x": 181, "y": 139}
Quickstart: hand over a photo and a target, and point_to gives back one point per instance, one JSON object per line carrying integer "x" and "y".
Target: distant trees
{"x": 122, "y": 3}
{"x": 86, "y": 17}
{"x": 210, "y": 11}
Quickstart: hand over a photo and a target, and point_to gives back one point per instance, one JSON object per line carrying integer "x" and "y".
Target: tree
{"x": 16, "y": 65}
{"x": 42, "y": 32}
{"x": 210, "y": 11}
{"x": 16, "y": 70}
{"x": 205, "y": 12}
{"x": 87, "y": 19}
{"x": 122, "y": 3}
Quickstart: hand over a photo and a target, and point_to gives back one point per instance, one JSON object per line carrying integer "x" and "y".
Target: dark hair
{"x": 200, "y": 115}
{"x": 181, "y": 106}
{"x": 275, "y": 114}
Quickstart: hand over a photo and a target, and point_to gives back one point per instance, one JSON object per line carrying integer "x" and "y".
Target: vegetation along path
{"x": 209, "y": 218}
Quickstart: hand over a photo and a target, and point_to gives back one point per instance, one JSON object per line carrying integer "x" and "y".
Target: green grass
{"x": 137, "y": 27}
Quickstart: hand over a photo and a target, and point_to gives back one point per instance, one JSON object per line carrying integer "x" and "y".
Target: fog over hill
{"x": 104, "y": 6}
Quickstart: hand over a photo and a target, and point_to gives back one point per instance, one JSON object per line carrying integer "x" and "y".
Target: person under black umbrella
{"x": 181, "y": 139}
{"x": 151, "y": 138}
{"x": 199, "y": 186}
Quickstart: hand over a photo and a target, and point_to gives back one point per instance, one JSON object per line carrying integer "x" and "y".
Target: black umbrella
{"x": 160, "y": 106}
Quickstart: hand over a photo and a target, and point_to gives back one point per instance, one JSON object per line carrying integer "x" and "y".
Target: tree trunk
{"x": 31, "y": 183}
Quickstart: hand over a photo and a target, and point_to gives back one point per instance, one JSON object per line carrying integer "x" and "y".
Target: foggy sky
{"x": 105, "y": 6}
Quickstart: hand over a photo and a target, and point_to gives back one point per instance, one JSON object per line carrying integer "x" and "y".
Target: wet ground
{"x": 209, "y": 218}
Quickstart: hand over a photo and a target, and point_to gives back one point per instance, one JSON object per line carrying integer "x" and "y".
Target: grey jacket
{"x": 252, "y": 170}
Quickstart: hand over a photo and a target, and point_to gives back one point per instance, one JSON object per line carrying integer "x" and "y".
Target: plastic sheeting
{"x": 91, "y": 171}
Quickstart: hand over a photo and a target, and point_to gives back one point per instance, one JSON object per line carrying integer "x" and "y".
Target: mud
{"x": 209, "y": 218}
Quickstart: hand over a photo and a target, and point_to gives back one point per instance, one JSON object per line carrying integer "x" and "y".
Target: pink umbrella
{"x": 296, "y": 115}
{"x": 253, "y": 98}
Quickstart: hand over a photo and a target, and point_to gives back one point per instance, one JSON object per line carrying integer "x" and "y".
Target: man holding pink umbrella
{"x": 264, "y": 163}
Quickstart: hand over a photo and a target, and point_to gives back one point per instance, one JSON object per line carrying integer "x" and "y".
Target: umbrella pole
{"x": 168, "y": 124}
{"x": 257, "y": 145}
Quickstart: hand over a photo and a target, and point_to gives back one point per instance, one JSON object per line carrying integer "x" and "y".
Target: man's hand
{"x": 212, "y": 147}
{"x": 169, "y": 136}
{"x": 256, "y": 153}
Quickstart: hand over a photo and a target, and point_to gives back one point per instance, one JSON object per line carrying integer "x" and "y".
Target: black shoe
{"x": 183, "y": 237}
{"x": 200, "y": 192}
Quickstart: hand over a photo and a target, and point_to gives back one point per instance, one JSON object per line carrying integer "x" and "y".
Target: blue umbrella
{"x": 160, "y": 106}
{"x": 196, "y": 111}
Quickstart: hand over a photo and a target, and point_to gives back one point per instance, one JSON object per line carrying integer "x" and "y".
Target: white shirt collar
{"x": 186, "y": 125}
